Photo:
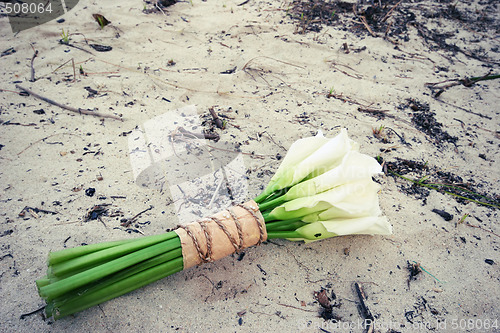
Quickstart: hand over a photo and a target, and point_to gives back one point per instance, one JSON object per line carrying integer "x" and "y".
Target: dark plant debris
{"x": 7, "y": 52}
{"x": 414, "y": 269}
{"x": 445, "y": 215}
{"x": 157, "y": 6}
{"x": 101, "y": 48}
{"x": 364, "y": 311}
{"x": 393, "y": 20}
{"x": 324, "y": 300}
{"x": 97, "y": 211}
{"x": 425, "y": 121}
{"x": 92, "y": 92}
{"x": 421, "y": 306}
{"x": 101, "y": 20}
{"x": 34, "y": 211}
{"x": 423, "y": 178}
{"x": 90, "y": 192}
{"x": 6, "y": 233}
{"x": 390, "y": 19}
{"x": 126, "y": 222}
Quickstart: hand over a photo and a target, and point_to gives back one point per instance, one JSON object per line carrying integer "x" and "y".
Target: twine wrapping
{"x": 226, "y": 232}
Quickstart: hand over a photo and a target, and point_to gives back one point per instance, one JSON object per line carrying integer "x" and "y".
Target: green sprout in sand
{"x": 64, "y": 37}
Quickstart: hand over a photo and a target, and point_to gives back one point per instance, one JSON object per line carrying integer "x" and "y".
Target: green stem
{"x": 61, "y": 287}
{"x": 119, "y": 288}
{"x": 67, "y": 254}
{"x": 66, "y": 262}
{"x": 278, "y": 225}
{"x": 268, "y": 205}
{"x": 262, "y": 196}
{"x": 97, "y": 286}
{"x": 290, "y": 227}
{"x": 265, "y": 215}
{"x": 283, "y": 234}
{"x": 484, "y": 78}
{"x": 42, "y": 282}
{"x": 267, "y": 195}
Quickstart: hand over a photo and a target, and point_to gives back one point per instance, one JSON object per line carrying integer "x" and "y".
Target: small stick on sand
{"x": 363, "y": 20}
{"x": 128, "y": 222}
{"x": 364, "y": 308}
{"x": 74, "y": 70}
{"x": 208, "y": 136}
{"x": 32, "y": 79}
{"x": 69, "y": 108}
{"x": 390, "y": 12}
{"x": 219, "y": 123}
{"x": 365, "y": 23}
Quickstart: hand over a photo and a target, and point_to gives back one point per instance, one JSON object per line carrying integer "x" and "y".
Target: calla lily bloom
{"x": 352, "y": 167}
{"x": 326, "y": 194}
{"x": 358, "y": 196}
{"x": 309, "y": 157}
{"x": 370, "y": 225}
{"x": 347, "y": 209}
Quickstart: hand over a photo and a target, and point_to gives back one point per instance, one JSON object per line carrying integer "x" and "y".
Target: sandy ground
{"x": 285, "y": 85}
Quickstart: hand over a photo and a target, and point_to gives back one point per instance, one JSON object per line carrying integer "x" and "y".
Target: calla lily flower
{"x": 328, "y": 193}
{"x": 370, "y": 225}
{"x": 347, "y": 209}
{"x": 353, "y": 199}
{"x": 309, "y": 157}
{"x": 353, "y": 166}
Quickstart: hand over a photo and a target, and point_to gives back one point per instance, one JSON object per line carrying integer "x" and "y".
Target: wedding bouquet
{"x": 322, "y": 189}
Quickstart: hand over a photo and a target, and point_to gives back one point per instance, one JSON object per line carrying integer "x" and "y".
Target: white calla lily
{"x": 370, "y": 225}
{"x": 354, "y": 166}
{"x": 328, "y": 192}
{"x": 350, "y": 207}
{"x": 356, "y": 198}
{"x": 309, "y": 157}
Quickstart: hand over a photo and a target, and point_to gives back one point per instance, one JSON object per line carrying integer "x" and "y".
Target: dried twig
{"x": 24, "y": 315}
{"x": 33, "y": 211}
{"x": 32, "y": 78}
{"x": 467, "y": 82}
{"x": 463, "y": 109}
{"x": 364, "y": 308}
{"x": 69, "y": 108}
{"x": 219, "y": 123}
{"x": 79, "y": 48}
{"x": 356, "y": 76}
{"x": 283, "y": 62}
{"x": 479, "y": 227}
{"x": 74, "y": 70}
{"x": 365, "y": 23}
{"x": 363, "y": 20}
{"x": 389, "y": 13}
{"x": 208, "y": 136}
{"x": 296, "y": 308}
{"x": 272, "y": 139}
{"x": 43, "y": 139}
{"x": 128, "y": 222}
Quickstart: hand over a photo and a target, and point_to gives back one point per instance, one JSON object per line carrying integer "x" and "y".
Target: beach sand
{"x": 275, "y": 73}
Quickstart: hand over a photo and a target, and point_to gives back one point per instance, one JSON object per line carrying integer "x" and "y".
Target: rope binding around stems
{"x": 222, "y": 234}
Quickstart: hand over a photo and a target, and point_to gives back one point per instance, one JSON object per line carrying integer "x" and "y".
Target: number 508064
{"x": 27, "y": 8}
